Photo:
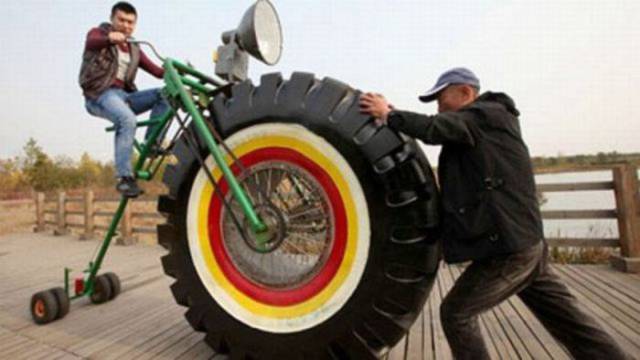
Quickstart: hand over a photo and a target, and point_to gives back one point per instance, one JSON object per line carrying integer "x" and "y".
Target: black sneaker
{"x": 128, "y": 187}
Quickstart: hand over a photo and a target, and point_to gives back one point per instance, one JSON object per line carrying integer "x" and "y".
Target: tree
{"x": 11, "y": 177}
{"x": 88, "y": 170}
{"x": 38, "y": 168}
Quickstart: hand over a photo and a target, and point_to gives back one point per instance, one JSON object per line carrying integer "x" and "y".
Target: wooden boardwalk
{"x": 145, "y": 323}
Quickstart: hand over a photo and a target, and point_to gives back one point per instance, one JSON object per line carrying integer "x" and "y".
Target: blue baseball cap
{"x": 454, "y": 76}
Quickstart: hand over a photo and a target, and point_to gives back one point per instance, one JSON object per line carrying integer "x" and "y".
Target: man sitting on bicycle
{"x": 107, "y": 74}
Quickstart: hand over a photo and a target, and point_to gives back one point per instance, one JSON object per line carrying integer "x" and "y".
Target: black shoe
{"x": 128, "y": 187}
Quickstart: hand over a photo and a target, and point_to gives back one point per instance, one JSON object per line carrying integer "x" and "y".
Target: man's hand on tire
{"x": 375, "y": 105}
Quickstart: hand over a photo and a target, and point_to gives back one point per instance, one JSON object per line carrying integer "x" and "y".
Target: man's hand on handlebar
{"x": 116, "y": 37}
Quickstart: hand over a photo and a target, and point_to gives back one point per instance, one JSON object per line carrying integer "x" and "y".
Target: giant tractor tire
{"x": 353, "y": 206}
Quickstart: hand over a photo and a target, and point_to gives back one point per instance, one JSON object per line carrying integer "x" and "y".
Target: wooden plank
{"x": 39, "y": 200}
{"x": 182, "y": 346}
{"x": 157, "y": 343}
{"x": 16, "y": 202}
{"x": 594, "y": 307}
{"x": 89, "y": 219}
{"x": 114, "y": 336}
{"x": 441, "y": 347}
{"x": 506, "y": 317}
{"x": 415, "y": 345}
{"x": 579, "y": 214}
{"x": 427, "y": 329}
{"x": 116, "y": 198}
{"x": 585, "y": 186}
{"x": 38, "y": 350}
{"x": 551, "y": 349}
{"x": 607, "y": 298}
{"x": 113, "y": 198}
{"x": 126, "y": 228}
{"x": 144, "y": 230}
{"x": 625, "y": 179}
{"x": 628, "y": 284}
{"x": 104, "y": 213}
{"x": 398, "y": 352}
{"x": 136, "y": 345}
{"x": 147, "y": 215}
{"x": 584, "y": 242}
{"x": 61, "y": 229}
{"x": 10, "y": 344}
{"x": 199, "y": 351}
{"x": 153, "y": 353}
{"x": 22, "y": 345}
{"x": 33, "y": 350}
{"x": 572, "y": 169}
{"x": 628, "y": 304}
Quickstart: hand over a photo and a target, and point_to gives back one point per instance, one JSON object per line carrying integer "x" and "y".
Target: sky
{"x": 572, "y": 67}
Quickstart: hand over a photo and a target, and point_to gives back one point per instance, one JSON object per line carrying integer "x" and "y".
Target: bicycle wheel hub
{"x": 268, "y": 240}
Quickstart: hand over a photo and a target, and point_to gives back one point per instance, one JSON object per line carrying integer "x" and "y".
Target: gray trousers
{"x": 485, "y": 284}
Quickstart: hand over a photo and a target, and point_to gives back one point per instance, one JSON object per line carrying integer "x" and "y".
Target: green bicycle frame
{"x": 178, "y": 78}
{"x": 176, "y": 87}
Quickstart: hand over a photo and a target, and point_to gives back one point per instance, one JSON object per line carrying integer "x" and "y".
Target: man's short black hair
{"x": 124, "y": 7}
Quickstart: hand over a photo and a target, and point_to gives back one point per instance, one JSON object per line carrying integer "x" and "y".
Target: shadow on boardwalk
{"x": 144, "y": 321}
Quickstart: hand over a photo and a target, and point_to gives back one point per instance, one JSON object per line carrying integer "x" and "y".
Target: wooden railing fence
{"x": 624, "y": 186}
{"x": 58, "y": 217}
{"x": 627, "y": 214}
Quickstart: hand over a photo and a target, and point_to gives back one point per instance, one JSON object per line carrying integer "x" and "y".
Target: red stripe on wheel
{"x": 259, "y": 292}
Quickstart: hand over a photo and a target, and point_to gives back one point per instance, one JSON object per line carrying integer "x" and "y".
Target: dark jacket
{"x": 99, "y": 68}
{"x": 489, "y": 200}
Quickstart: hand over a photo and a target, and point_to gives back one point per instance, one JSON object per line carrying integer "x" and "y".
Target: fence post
{"x": 625, "y": 180}
{"x": 40, "y": 225}
{"x": 88, "y": 216}
{"x": 61, "y": 217}
{"x": 126, "y": 227}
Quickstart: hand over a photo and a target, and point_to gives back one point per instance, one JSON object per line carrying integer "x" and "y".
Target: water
{"x": 579, "y": 200}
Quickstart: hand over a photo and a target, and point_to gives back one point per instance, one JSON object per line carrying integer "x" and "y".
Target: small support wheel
{"x": 44, "y": 307}
{"x": 114, "y": 281}
{"x": 101, "y": 290}
{"x": 63, "y": 301}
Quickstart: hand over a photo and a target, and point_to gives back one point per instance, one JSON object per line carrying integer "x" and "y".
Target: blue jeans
{"x": 121, "y": 109}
